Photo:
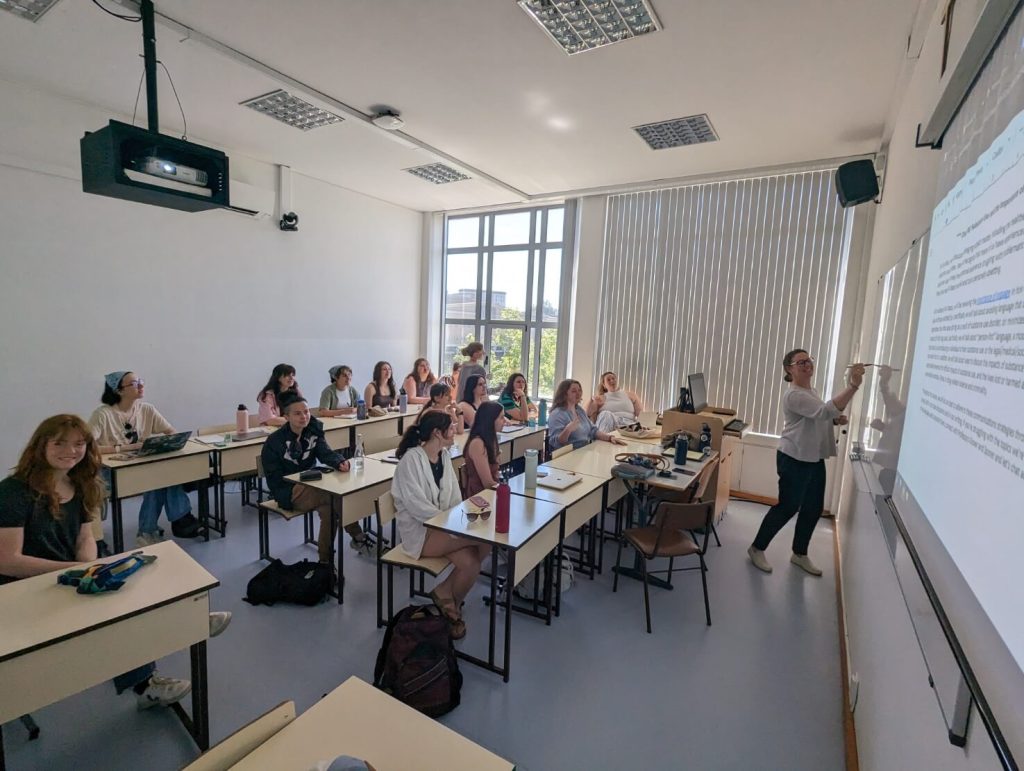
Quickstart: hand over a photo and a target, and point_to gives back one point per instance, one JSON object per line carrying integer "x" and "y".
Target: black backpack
{"x": 416, "y": 663}
{"x": 304, "y": 583}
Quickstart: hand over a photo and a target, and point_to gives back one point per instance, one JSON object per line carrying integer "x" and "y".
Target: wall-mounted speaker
{"x": 856, "y": 182}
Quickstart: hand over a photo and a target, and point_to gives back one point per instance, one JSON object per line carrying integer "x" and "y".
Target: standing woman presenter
{"x": 807, "y": 440}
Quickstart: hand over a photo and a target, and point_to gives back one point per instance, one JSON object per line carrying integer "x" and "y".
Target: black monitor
{"x": 698, "y": 391}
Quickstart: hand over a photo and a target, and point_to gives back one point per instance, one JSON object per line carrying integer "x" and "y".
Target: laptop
{"x": 557, "y": 479}
{"x": 158, "y": 445}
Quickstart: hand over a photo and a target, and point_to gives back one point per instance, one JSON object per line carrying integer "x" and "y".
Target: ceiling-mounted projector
{"x": 387, "y": 120}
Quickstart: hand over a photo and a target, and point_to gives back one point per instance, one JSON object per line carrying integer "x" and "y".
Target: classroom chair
{"x": 396, "y": 557}
{"x": 245, "y": 740}
{"x": 264, "y": 509}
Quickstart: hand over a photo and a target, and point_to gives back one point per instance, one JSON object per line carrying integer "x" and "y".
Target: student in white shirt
{"x": 807, "y": 439}
{"x": 613, "y": 407}
{"x": 340, "y": 397}
{"x": 425, "y": 485}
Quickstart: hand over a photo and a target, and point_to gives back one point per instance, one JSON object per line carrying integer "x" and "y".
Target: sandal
{"x": 447, "y": 607}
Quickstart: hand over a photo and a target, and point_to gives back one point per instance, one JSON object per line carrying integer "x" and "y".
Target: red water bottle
{"x": 503, "y": 497}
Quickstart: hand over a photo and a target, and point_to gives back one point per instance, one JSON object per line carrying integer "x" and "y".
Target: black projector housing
{"x": 108, "y": 152}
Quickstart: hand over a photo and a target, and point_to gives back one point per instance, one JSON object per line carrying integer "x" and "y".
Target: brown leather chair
{"x": 671, "y": 535}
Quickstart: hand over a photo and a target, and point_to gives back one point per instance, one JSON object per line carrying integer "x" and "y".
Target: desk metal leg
{"x": 203, "y": 497}
{"x": 509, "y": 585}
{"x": 3, "y": 761}
{"x": 493, "y": 604}
{"x": 116, "y": 514}
{"x": 336, "y": 525}
{"x": 198, "y": 725}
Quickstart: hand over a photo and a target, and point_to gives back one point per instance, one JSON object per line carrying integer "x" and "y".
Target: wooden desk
{"x": 55, "y": 642}
{"x": 383, "y": 433}
{"x": 352, "y": 498}
{"x": 153, "y": 472}
{"x": 534, "y": 531}
{"x": 357, "y": 719}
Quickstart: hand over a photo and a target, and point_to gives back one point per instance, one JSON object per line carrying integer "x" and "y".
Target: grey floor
{"x": 760, "y": 689}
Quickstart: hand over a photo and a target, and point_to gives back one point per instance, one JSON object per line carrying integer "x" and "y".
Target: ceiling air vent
{"x": 694, "y": 130}
{"x": 580, "y": 25}
{"x": 437, "y": 173}
{"x": 28, "y": 9}
{"x": 289, "y": 109}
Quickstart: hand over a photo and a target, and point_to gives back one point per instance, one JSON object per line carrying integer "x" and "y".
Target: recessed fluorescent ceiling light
{"x": 580, "y": 25}
{"x": 291, "y": 110}
{"x": 28, "y": 9}
{"x": 694, "y": 130}
{"x": 437, "y": 173}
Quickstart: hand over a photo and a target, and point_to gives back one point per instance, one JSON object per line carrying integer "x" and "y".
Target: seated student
{"x": 418, "y": 382}
{"x": 568, "y": 423}
{"x": 481, "y": 451}
{"x": 46, "y": 506}
{"x": 381, "y": 391}
{"x": 296, "y": 446}
{"x": 475, "y": 352}
{"x": 124, "y": 422}
{"x": 441, "y": 401}
{"x": 612, "y": 408}
{"x": 282, "y": 381}
{"x": 476, "y": 394}
{"x": 517, "y": 404}
{"x": 340, "y": 397}
{"x": 453, "y": 379}
{"x": 425, "y": 485}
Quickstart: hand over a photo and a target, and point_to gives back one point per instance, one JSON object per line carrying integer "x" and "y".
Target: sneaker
{"x": 163, "y": 692}
{"x": 147, "y": 539}
{"x": 803, "y": 562}
{"x": 758, "y": 558}
{"x": 362, "y": 546}
{"x": 219, "y": 621}
{"x": 185, "y": 527}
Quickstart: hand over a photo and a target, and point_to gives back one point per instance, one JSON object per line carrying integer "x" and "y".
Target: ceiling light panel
{"x": 28, "y": 9}
{"x": 580, "y": 25}
{"x": 437, "y": 173}
{"x": 289, "y": 109}
{"x": 693, "y": 130}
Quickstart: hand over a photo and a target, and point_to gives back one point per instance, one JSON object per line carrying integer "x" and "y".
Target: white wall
{"x": 200, "y": 305}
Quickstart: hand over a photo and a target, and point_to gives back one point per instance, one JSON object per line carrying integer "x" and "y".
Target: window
{"x": 505, "y": 284}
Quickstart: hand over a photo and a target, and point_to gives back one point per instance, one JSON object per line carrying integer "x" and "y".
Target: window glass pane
{"x": 552, "y": 284}
{"x": 548, "y": 355}
{"x": 463, "y": 231}
{"x": 506, "y": 355}
{"x": 455, "y": 338}
{"x": 512, "y": 228}
{"x": 556, "y": 218}
{"x": 460, "y": 294}
{"x": 508, "y": 286}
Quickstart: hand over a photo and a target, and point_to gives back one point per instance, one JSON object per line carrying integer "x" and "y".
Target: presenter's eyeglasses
{"x": 809, "y": 361}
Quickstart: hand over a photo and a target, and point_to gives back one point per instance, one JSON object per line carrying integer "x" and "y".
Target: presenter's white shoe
{"x": 758, "y": 558}
{"x": 803, "y": 562}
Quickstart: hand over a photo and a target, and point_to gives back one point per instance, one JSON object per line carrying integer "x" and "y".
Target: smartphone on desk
{"x": 480, "y": 502}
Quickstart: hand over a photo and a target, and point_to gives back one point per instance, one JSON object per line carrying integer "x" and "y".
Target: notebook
{"x": 557, "y": 479}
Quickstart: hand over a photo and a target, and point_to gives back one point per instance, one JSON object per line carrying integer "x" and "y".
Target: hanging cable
{"x": 184, "y": 122}
{"x": 138, "y": 93}
{"x": 116, "y": 15}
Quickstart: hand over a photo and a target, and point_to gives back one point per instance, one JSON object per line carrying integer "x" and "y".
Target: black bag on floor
{"x": 416, "y": 663}
{"x": 304, "y": 583}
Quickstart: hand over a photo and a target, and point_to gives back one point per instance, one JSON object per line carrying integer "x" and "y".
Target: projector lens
{"x": 169, "y": 168}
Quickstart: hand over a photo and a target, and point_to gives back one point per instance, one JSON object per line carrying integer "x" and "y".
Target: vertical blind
{"x": 723, "y": 278}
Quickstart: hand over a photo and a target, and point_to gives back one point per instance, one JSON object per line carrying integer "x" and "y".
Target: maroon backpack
{"x": 416, "y": 663}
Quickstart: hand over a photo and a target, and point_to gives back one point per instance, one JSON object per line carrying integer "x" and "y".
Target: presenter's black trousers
{"x": 801, "y": 488}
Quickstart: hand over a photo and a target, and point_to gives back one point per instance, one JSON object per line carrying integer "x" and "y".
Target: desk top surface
{"x": 37, "y": 612}
{"x": 527, "y": 517}
{"x": 357, "y": 719}
{"x": 345, "y": 482}
{"x": 192, "y": 447}
{"x": 566, "y": 497}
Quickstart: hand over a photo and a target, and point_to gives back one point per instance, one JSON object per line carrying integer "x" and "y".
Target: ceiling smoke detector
{"x": 387, "y": 120}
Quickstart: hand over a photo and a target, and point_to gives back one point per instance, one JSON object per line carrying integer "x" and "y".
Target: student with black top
{"x": 481, "y": 451}
{"x": 46, "y": 507}
{"x": 381, "y": 391}
{"x": 476, "y": 394}
{"x": 296, "y": 446}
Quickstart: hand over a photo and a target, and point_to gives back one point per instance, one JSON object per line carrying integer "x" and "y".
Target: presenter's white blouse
{"x": 808, "y": 434}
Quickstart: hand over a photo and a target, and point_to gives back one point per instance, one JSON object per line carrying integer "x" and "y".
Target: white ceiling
{"x": 480, "y": 81}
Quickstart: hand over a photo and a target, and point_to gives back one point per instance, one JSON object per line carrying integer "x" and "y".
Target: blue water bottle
{"x": 360, "y": 410}
{"x": 542, "y": 413}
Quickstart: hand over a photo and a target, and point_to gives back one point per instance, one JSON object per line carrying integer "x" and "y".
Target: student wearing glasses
{"x": 123, "y": 422}
{"x": 807, "y": 440}
{"x": 381, "y": 391}
{"x": 281, "y": 383}
{"x": 46, "y": 506}
{"x": 418, "y": 382}
{"x": 514, "y": 400}
{"x": 340, "y": 397}
{"x": 297, "y": 446}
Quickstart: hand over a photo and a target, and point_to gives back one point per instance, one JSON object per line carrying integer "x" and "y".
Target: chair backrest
{"x": 705, "y": 478}
{"x": 648, "y": 419}
{"x": 245, "y": 740}
{"x": 562, "y": 451}
{"x": 259, "y": 466}
{"x": 385, "y": 506}
{"x": 463, "y": 473}
{"x": 684, "y": 516}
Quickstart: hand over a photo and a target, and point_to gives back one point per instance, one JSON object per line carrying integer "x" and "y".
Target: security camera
{"x": 289, "y": 221}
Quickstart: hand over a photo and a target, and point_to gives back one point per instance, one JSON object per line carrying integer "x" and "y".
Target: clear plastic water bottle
{"x": 531, "y": 469}
{"x": 403, "y": 401}
{"x": 358, "y": 456}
